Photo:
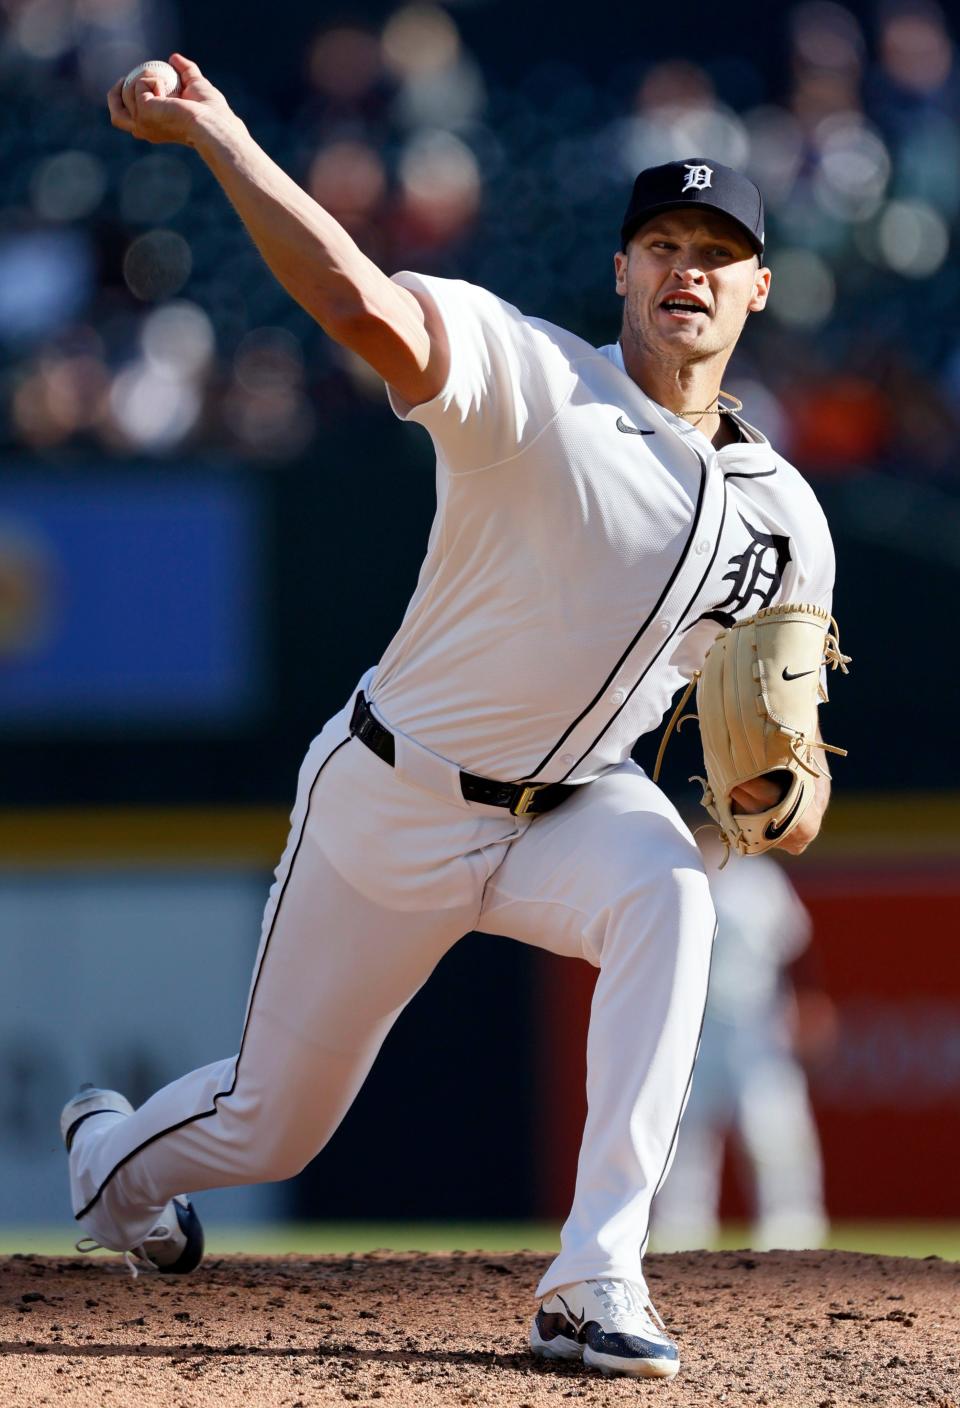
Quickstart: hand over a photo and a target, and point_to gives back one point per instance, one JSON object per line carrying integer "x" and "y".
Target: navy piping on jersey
{"x": 221, "y": 1094}
{"x": 686, "y": 1092}
{"x": 653, "y": 611}
{"x": 680, "y": 617}
{"x": 748, "y": 474}
{"x": 653, "y": 660}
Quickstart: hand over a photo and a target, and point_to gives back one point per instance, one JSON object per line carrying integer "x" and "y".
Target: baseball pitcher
{"x": 603, "y": 515}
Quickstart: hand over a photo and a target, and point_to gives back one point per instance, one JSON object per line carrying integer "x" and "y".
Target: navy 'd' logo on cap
{"x": 695, "y": 181}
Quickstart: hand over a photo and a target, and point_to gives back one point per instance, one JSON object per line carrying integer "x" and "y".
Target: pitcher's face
{"x": 689, "y": 278}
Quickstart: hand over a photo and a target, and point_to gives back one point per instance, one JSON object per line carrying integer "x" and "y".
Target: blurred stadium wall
{"x": 210, "y": 523}
{"x": 885, "y": 1086}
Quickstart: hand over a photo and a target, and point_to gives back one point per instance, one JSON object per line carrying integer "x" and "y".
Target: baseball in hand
{"x": 165, "y": 73}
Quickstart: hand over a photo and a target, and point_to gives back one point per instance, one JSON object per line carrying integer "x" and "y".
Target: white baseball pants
{"x": 384, "y": 870}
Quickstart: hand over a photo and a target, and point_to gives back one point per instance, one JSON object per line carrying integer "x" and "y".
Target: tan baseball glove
{"x": 757, "y": 704}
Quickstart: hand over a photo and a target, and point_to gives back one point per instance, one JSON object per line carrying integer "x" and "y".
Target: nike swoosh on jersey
{"x": 798, "y": 676}
{"x": 631, "y": 429}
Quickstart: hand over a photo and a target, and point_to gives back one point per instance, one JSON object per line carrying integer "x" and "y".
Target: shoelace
{"x": 624, "y": 1296}
{"x": 136, "y": 1259}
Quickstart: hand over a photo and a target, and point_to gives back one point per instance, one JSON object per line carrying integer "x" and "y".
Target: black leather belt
{"x": 520, "y": 798}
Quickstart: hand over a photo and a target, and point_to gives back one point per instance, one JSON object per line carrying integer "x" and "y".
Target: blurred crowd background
{"x": 210, "y": 522}
{"x": 136, "y": 318}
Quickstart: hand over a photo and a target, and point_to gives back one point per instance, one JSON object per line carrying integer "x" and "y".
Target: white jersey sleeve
{"x": 509, "y": 376}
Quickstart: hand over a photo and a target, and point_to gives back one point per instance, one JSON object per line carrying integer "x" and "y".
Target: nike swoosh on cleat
{"x": 631, "y": 429}
{"x": 799, "y": 676}
{"x": 575, "y": 1320}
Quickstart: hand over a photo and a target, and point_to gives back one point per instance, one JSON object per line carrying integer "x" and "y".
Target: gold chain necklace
{"x": 735, "y": 405}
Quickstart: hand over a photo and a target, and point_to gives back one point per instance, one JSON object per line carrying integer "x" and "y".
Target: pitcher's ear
{"x": 761, "y": 290}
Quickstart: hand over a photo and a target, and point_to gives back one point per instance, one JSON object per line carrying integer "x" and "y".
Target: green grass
{"x": 917, "y": 1239}
{"x": 317, "y": 1237}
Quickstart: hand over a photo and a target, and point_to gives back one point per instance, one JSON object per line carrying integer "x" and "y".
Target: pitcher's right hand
{"x": 145, "y": 113}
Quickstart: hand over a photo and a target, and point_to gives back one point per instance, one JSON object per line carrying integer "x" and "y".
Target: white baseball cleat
{"x": 175, "y": 1244}
{"x": 611, "y": 1325}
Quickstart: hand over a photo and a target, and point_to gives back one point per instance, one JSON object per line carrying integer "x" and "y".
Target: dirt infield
{"x": 818, "y": 1329}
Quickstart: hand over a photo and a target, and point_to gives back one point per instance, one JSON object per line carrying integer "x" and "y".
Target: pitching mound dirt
{"x": 817, "y": 1329}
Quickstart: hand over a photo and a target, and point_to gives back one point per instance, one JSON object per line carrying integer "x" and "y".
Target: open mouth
{"x": 680, "y": 305}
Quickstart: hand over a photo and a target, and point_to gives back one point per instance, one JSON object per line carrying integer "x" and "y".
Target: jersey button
{"x": 663, "y": 626}
{"x": 703, "y": 546}
{"x": 567, "y": 760}
{"x": 618, "y": 696}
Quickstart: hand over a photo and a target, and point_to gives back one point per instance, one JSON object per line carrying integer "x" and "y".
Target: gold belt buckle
{"x": 525, "y": 802}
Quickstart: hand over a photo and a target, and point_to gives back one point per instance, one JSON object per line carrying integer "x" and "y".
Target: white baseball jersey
{"x": 588, "y": 546}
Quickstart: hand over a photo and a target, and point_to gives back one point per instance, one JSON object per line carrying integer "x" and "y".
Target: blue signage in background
{"x": 128, "y": 597}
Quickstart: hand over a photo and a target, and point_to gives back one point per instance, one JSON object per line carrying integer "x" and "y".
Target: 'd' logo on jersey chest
{"x": 755, "y": 574}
